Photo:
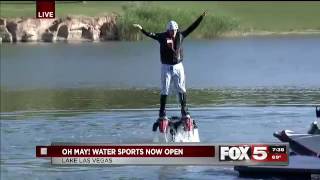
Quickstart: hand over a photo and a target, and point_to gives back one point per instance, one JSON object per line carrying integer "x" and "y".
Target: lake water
{"x": 240, "y": 90}
{"x": 250, "y": 62}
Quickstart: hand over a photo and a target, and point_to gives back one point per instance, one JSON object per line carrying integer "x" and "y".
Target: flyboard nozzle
{"x": 163, "y": 125}
{"x": 188, "y": 124}
{"x": 318, "y": 111}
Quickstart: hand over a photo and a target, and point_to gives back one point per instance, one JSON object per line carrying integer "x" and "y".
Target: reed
{"x": 154, "y": 19}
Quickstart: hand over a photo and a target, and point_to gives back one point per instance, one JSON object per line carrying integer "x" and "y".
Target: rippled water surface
{"x": 217, "y": 125}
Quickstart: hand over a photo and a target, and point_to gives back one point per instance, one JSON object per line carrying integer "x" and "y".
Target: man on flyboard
{"x": 171, "y": 53}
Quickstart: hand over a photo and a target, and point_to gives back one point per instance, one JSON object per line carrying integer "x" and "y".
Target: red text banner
{"x": 165, "y": 154}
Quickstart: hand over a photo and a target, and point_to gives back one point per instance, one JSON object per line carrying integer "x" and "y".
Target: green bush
{"x": 154, "y": 19}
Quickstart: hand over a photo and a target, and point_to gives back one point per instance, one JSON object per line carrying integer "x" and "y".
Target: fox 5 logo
{"x": 242, "y": 153}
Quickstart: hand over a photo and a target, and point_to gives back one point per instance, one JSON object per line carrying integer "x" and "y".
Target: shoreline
{"x": 99, "y": 29}
{"x": 227, "y": 35}
{"x": 258, "y": 33}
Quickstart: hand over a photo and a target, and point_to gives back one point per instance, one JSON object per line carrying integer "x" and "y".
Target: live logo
{"x": 45, "y": 15}
{"x": 45, "y": 9}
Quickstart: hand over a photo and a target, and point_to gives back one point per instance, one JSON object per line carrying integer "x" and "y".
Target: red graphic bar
{"x": 125, "y": 151}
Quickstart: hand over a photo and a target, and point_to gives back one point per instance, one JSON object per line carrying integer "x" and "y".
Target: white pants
{"x": 174, "y": 73}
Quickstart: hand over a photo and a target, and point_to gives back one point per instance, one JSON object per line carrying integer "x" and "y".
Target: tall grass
{"x": 154, "y": 19}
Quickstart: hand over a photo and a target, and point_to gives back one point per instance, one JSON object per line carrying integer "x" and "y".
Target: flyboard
{"x": 175, "y": 129}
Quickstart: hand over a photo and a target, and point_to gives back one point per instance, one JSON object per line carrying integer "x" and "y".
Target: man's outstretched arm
{"x": 149, "y": 34}
{"x": 193, "y": 26}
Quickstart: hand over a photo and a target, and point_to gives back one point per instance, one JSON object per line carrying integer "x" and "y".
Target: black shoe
{"x": 185, "y": 114}
{"x": 162, "y": 114}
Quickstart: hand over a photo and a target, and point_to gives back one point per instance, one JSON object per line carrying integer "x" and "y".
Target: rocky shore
{"x": 83, "y": 28}
{"x": 71, "y": 28}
